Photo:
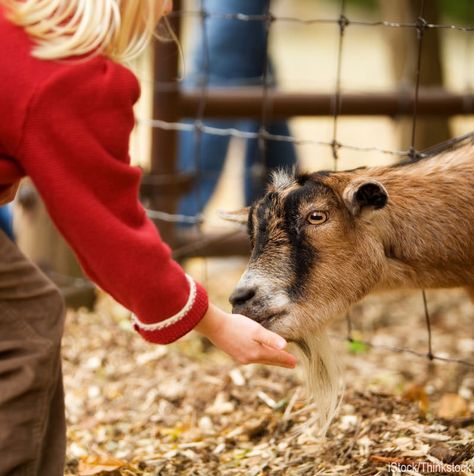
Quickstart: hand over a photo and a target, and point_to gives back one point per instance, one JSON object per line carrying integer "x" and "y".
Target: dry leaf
{"x": 256, "y": 427}
{"x": 442, "y": 452}
{"x": 154, "y": 415}
{"x": 452, "y": 406}
{"x": 91, "y": 465}
{"x": 416, "y": 393}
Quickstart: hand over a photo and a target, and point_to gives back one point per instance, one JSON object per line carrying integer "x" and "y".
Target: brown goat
{"x": 322, "y": 241}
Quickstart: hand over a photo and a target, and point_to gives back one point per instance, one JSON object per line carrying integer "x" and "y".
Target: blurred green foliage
{"x": 369, "y": 4}
{"x": 456, "y": 10}
{"x": 357, "y": 347}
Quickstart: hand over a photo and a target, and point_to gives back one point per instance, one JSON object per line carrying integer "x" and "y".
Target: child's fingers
{"x": 271, "y": 349}
{"x": 272, "y": 356}
{"x": 270, "y": 339}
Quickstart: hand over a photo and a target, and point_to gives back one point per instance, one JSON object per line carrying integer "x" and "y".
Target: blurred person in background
{"x": 6, "y": 220}
{"x": 233, "y": 55}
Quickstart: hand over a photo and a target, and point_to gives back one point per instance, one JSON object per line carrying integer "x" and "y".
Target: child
{"x": 66, "y": 116}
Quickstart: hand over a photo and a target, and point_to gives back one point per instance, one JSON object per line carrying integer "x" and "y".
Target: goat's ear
{"x": 364, "y": 194}
{"x": 238, "y": 216}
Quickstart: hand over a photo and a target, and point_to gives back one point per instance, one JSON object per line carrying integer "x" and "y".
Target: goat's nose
{"x": 241, "y": 295}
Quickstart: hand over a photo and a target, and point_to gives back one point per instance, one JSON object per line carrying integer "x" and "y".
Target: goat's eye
{"x": 317, "y": 218}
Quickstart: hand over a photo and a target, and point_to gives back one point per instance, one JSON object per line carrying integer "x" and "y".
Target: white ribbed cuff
{"x": 173, "y": 319}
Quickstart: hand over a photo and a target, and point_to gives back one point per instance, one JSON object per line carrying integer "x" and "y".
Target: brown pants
{"x": 32, "y": 423}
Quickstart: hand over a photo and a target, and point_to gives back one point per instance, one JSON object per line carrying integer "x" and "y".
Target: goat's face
{"x": 314, "y": 252}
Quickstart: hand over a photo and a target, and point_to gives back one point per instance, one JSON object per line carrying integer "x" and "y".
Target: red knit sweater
{"x": 67, "y": 125}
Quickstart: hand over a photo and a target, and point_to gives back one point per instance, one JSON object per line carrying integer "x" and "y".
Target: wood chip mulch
{"x": 186, "y": 409}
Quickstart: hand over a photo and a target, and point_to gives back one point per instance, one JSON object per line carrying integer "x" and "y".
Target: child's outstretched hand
{"x": 243, "y": 339}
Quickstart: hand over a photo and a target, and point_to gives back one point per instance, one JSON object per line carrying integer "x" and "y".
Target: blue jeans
{"x": 6, "y": 220}
{"x": 236, "y": 52}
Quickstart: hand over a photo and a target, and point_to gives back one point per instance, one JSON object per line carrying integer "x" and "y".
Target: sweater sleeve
{"x": 75, "y": 148}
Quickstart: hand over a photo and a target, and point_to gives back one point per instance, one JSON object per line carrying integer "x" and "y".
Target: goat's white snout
{"x": 256, "y": 297}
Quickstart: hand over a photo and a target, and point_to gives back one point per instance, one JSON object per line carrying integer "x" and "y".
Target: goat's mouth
{"x": 270, "y": 319}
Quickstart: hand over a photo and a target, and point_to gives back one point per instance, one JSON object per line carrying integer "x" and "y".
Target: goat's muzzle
{"x": 244, "y": 301}
{"x": 251, "y": 302}
{"x": 242, "y": 296}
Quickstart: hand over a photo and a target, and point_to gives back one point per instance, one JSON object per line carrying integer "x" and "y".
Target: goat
{"x": 322, "y": 241}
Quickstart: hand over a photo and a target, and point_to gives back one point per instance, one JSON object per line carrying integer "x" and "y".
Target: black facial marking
{"x": 277, "y": 220}
{"x": 263, "y": 213}
{"x": 302, "y": 253}
{"x": 250, "y": 231}
{"x": 304, "y": 178}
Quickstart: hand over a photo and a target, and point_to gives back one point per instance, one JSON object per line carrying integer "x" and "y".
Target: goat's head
{"x": 314, "y": 253}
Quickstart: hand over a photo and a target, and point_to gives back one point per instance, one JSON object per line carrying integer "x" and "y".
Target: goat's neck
{"x": 427, "y": 227}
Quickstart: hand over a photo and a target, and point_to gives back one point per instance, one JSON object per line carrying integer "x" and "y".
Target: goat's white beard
{"x": 323, "y": 378}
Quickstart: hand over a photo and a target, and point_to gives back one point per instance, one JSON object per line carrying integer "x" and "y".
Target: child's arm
{"x": 243, "y": 339}
{"x": 74, "y": 146}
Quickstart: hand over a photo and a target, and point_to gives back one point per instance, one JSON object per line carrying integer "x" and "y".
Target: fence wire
{"x": 342, "y": 22}
{"x": 198, "y": 127}
{"x": 270, "y": 17}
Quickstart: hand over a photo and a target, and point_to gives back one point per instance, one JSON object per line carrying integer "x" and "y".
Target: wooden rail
{"x": 165, "y": 184}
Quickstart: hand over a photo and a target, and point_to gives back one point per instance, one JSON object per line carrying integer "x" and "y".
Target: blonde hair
{"x": 118, "y": 29}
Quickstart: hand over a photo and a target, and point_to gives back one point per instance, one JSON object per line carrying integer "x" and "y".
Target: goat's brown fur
{"x": 417, "y": 232}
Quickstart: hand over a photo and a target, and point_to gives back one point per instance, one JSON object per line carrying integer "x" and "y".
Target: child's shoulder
{"x": 23, "y": 71}
{"x": 74, "y": 82}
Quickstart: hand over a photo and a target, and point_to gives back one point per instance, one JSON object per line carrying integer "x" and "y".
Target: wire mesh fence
{"x": 198, "y": 125}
